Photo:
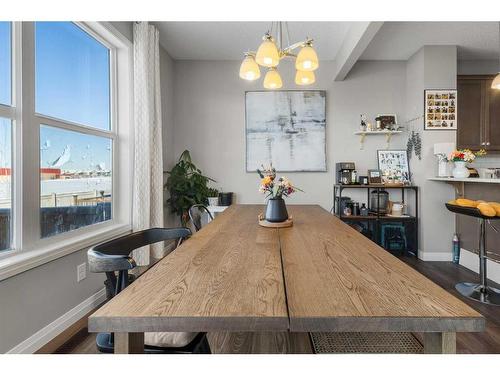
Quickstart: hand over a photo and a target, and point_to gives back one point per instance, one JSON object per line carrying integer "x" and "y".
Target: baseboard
{"x": 430, "y": 256}
{"x": 49, "y": 332}
{"x": 470, "y": 260}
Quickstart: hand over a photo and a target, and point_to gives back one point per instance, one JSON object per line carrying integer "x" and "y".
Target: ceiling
{"x": 230, "y": 40}
{"x": 400, "y": 40}
{"x": 394, "y": 41}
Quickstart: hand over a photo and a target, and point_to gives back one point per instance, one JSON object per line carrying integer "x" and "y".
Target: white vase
{"x": 460, "y": 170}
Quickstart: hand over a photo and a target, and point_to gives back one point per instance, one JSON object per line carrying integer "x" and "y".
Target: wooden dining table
{"x": 320, "y": 275}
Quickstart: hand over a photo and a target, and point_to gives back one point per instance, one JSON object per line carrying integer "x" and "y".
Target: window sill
{"x": 21, "y": 261}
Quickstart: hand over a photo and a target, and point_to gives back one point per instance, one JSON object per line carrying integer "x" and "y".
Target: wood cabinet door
{"x": 492, "y": 128}
{"x": 470, "y": 118}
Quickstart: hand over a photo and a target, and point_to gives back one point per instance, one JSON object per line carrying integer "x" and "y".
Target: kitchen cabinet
{"x": 478, "y": 114}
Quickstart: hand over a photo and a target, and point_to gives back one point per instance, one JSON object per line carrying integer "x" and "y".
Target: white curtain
{"x": 148, "y": 163}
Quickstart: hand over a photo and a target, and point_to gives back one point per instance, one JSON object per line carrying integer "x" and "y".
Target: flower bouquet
{"x": 275, "y": 189}
{"x": 460, "y": 158}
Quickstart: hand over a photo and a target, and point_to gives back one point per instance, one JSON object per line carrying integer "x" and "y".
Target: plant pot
{"x": 460, "y": 170}
{"x": 276, "y": 210}
{"x": 213, "y": 201}
{"x": 226, "y": 199}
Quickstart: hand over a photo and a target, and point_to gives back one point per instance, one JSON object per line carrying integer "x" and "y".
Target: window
{"x": 5, "y": 183}
{"x": 6, "y": 115}
{"x": 72, "y": 74}
{"x": 5, "y": 63}
{"x": 75, "y": 180}
{"x": 65, "y": 139}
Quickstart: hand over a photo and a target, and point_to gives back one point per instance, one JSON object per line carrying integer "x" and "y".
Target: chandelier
{"x": 269, "y": 55}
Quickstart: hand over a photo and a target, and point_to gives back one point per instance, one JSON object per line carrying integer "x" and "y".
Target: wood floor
{"x": 445, "y": 274}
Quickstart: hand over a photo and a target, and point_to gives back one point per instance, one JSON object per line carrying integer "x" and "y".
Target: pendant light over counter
{"x": 269, "y": 55}
{"x": 496, "y": 82}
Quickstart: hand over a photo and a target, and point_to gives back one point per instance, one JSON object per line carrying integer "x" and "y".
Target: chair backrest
{"x": 114, "y": 255}
{"x": 195, "y": 214}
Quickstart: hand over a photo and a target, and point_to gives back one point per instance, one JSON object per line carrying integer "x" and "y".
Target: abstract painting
{"x": 287, "y": 129}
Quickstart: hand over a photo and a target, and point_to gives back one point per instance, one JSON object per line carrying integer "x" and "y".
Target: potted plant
{"x": 187, "y": 186}
{"x": 460, "y": 158}
{"x": 275, "y": 189}
{"x": 213, "y": 197}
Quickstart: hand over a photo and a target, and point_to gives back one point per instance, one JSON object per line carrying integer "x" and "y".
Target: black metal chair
{"x": 195, "y": 214}
{"x": 114, "y": 256}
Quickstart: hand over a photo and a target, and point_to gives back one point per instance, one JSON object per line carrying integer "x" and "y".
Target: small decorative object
{"x": 213, "y": 197}
{"x": 397, "y": 209}
{"x": 394, "y": 165}
{"x": 363, "y": 180}
{"x": 440, "y": 110}
{"x": 362, "y": 125}
{"x": 293, "y": 122}
{"x": 387, "y": 122}
{"x": 374, "y": 177}
{"x": 226, "y": 198}
{"x": 460, "y": 158}
{"x": 275, "y": 189}
{"x": 363, "y": 211}
{"x": 417, "y": 144}
{"x": 442, "y": 150}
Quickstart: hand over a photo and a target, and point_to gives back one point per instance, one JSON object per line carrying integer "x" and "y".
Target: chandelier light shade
{"x": 303, "y": 78}
{"x": 307, "y": 59}
{"x": 272, "y": 80}
{"x": 271, "y": 52}
{"x": 268, "y": 54}
{"x": 249, "y": 69}
{"x": 496, "y": 82}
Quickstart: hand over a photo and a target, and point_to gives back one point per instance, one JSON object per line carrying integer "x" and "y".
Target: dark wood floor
{"x": 445, "y": 274}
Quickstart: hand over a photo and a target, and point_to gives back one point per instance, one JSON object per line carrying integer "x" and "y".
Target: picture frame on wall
{"x": 394, "y": 166}
{"x": 440, "y": 109}
{"x": 286, "y": 128}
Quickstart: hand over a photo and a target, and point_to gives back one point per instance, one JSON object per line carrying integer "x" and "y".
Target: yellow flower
{"x": 266, "y": 180}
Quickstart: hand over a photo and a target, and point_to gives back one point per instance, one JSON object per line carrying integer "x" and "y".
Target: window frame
{"x": 28, "y": 248}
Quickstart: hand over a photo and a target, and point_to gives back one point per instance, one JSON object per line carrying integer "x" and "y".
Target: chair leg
{"x": 205, "y": 346}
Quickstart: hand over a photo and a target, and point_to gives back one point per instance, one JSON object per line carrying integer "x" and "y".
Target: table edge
{"x": 187, "y": 324}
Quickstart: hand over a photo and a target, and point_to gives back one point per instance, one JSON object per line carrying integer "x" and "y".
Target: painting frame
{"x": 440, "y": 113}
{"x": 406, "y": 173}
{"x": 323, "y": 95}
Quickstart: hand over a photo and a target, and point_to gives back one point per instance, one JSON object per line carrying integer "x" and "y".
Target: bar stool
{"x": 478, "y": 291}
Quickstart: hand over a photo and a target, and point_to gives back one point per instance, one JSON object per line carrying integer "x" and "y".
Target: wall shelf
{"x": 388, "y": 135}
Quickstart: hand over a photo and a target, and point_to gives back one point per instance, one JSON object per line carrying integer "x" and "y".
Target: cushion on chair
{"x": 169, "y": 339}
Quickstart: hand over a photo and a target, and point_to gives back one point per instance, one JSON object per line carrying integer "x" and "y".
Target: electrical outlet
{"x": 81, "y": 272}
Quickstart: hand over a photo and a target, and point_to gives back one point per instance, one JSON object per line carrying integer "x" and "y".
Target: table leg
{"x": 129, "y": 342}
{"x": 440, "y": 343}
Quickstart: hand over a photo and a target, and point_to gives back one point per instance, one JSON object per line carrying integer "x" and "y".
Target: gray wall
{"x": 209, "y": 120}
{"x": 432, "y": 67}
{"x": 33, "y": 299}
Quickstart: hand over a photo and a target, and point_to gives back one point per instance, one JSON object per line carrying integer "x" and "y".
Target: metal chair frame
{"x": 196, "y": 219}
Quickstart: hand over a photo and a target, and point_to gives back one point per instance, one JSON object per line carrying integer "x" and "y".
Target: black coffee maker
{"x": 346, "y": 173}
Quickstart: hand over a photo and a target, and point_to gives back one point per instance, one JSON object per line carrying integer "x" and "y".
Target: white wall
{"x": 209, "y": 118}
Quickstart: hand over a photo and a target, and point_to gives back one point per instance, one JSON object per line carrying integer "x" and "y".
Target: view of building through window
{"x": 72, "y": 84}
{"x": 5, "y": 183}
{"x": 75, "y": 180}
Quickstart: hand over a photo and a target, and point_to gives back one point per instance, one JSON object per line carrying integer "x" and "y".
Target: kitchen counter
{"x": 470, "y": 179}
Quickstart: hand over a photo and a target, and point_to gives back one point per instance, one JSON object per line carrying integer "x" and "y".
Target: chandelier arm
{"x": 296, "y": 45}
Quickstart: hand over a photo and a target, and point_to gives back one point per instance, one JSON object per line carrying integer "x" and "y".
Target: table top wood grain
{"x": 338, "y": 280}
{"x": 233, "y": 276}
{"x": 226, "y": 277}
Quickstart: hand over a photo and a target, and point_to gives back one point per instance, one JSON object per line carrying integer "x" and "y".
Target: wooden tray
{"x": 264, "y": 223}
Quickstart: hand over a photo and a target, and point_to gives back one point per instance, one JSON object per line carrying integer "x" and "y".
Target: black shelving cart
{"x": 397, "y": 234}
